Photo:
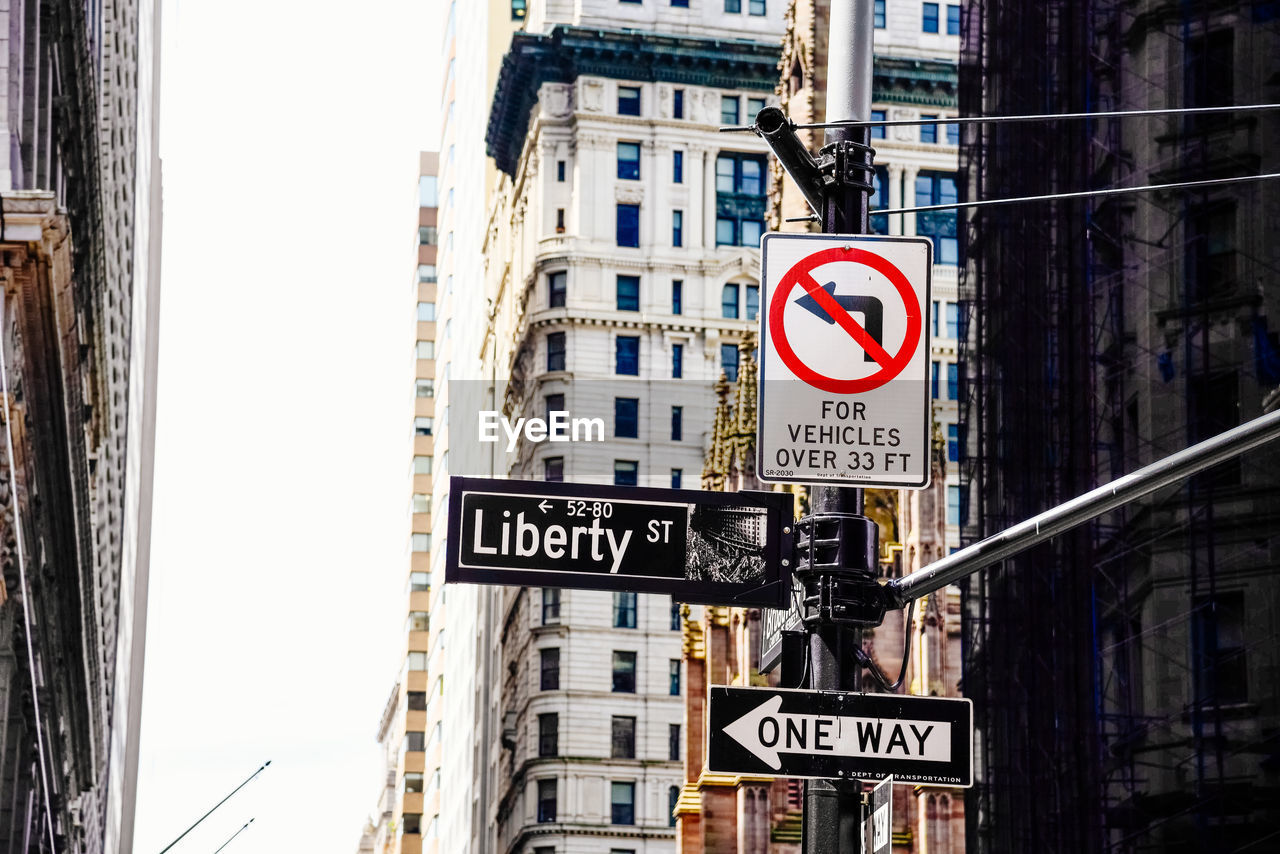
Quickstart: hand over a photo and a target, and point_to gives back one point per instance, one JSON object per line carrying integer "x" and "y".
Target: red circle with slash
{"x": 890, "y": 364}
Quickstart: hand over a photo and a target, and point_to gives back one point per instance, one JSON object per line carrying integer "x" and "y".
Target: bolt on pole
{"x": 833, "y": 809}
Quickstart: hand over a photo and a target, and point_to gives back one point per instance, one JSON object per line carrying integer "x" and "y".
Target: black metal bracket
{"x": 847, "y": 164}
{"x": 836, "y": 557}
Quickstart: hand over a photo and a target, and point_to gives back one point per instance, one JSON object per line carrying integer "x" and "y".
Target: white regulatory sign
{"x": 844, "y": 360}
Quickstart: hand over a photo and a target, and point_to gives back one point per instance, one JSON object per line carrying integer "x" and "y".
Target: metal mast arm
{"x": 1094, "y": 503}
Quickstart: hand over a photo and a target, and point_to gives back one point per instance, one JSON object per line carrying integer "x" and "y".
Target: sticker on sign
{"x": 844, "y": 360}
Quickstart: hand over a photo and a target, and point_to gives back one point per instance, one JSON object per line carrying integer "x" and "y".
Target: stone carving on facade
{"x": 903, "y": 133}
{"x": 591, "y": 94}
{"x": 628, "y": 195}
{"x": 664, "y": 102}
{"x": 556, "y": 99}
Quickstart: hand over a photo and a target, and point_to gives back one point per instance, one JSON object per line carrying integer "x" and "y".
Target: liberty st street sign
{"x": 705, "y": 547}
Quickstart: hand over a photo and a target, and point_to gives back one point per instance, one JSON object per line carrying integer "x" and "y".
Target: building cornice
{"x": 568, "y": 52}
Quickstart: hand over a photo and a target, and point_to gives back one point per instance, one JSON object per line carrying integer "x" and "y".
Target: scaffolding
{"x": 1124, "y": 675}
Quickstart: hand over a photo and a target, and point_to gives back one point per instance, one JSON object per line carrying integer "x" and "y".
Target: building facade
{"x": 622, "y": 258}
{"x": 404, "y": 800}
{"x": 1123, "y": 674}
{"x": 80, "y": 238}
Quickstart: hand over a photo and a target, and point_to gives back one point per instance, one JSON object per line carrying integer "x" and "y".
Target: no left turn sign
{"x": 844, "y": 385}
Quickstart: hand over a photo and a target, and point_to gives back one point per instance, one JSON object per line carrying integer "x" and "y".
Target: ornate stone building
{"x": 79, "y": 269}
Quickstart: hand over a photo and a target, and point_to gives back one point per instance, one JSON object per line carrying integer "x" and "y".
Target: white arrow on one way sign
{"x": 766, "y": 731}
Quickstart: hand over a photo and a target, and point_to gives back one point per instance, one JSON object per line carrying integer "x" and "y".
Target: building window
{"x": 559, "y": 220}
{"x": 629, "y": 293}
{"x": 426, "y": 273}
{"x": 953, "y": 505}
{"x": 734, "y": 6}
{"x": 953, "y": 20}
{"x": 729, "y": 109}
{"x": 928, "y": 133}
{"x": 555, "y": 403}
{"x": 417, "y": 701}
{"x": 677, "y": 423}
{"x": 427, "y": 236}
{"x": 1209, "y": 256}
{"x": 423, "y": 425}
{"x": 421, "y": 502}
{"x": 753, "y": 301}
{"x": 549, "y": 669}
{"x": 422, "y": 465}
{"x": 628, "y": 100}
{"x": 676, "y": 476}
{"x": 729, "y": 302}
{"x": 628, "y": 225}
{"x": 427, "y": 197}
{"x": 677, "y": 296}
{"x": 418, "y": 621}
{"x": 877, "y": 131}
{"x": 677, "y": 105}
{"x": 624, "y": 610}
{"x": 739, "y": 199}
{"x": 629, "y": 161}
{"x": 628, "y": 356}
{"x": 560, "y": 168}
{"x": 729, "y": 361}
{"x": 546, "y": 801}
{"x": 938, "y": 188}
{"x": 424, "y": 388}
{"x": 878, "y": 15}
{"x": 934, "y": 379}
{"x": 557, "y": 286}
{"x": 677, "y": 167}
{"x": 417, "y": 661}
{"x": 419, "y": 581}
{"x": 420, "y": 542}
{"x": 754, "y": 106}
{"x": 953, "y": 381}
{"x": 677, "y": 361}
{"x": 673, "y": 677}
{"x": 624, "y": 671}
{"x": 677, "y": 228}
{"x": 555, "y": 351}
{"x": 623, "y": 742}
{"x": 426, "y": 312}
{"x": 930, "y": 23}
{"x": 675, "y": 615}
{"x": 673, "y": 742}
{"x": 953, "y": 443}
{"x": 553, "y": 469}
{"x": 673, "y": 798}
{"x": 415, "y": 741}
{"x": 1218, "y": 649}
{"x": 425, "y": 350}
{"x": 625, "y": 473}
{"x": 953, "y": 134}
{"x": 411, "y": 822}
{"x": 548, "y": 734}
{"x": 622, "y": 800}
{"x": 551, "y": 607}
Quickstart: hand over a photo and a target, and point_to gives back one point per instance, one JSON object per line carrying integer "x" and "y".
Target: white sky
{"x": 290, "y": 131}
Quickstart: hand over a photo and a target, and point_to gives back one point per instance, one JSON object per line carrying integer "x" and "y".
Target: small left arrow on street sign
{"x": 871, "y": 309}
{"x": 544, "y": 506}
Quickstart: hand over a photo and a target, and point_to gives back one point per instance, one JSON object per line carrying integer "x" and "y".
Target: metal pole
{"x": 833, "y": 809}
{"x": 1094, "y": 503}
{"x": 234, "y": 835}
{"x": 215, "y": 806}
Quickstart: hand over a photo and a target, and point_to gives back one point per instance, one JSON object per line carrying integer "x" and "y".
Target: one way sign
{"x": 787, "y": 733}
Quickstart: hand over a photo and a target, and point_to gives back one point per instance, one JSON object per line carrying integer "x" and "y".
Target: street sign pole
{"x": 833, "y": 809}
